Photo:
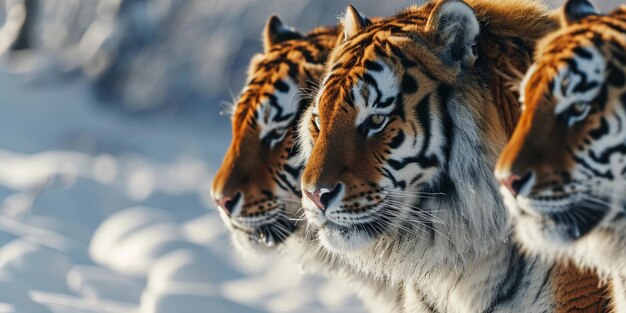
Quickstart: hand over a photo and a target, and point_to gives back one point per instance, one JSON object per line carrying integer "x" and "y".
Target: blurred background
{"x": 110, "y": 132}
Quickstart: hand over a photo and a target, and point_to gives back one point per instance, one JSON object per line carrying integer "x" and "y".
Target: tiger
{"x": 257, "y": 186}
{"x": 563, "y": 173}
{"x": 398, "y": 151}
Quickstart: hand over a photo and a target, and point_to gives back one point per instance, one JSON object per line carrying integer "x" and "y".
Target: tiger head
{"x": 405, "y": 127}
{"x": 257, "y": 185}
{"x": 563, "y": 171}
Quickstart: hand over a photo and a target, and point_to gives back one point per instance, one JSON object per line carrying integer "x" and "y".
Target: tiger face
{"x": 257, "y": 186}
{"x": 563, "y": 172}
{"x": 378, "y": 141}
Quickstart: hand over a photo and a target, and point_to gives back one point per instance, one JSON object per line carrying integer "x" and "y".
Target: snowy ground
{"x": 106, "y": 211}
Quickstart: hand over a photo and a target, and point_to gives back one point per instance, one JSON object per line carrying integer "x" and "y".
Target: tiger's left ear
{"x": 454, "y": 26}
{"x": 276, "y": 32}
{"x": 575, "y": 10}
{"x": 353, "y": 22}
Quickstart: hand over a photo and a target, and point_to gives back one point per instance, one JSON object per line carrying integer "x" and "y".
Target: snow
{"x": 105, "y": 209}
{"x": 99, "y": 225}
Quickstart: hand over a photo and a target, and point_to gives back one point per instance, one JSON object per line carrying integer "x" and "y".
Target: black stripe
{"x": 616, "y": 75}
{"x": 399, "y": 108}
{"x": 604, "y": 157}
{"x": 599, "y": 132}
{"x": 546, "y": 279}
{"x": 279, "y": 118}
{"x": 406, "y": 62}
{"x": 368, "y": 79}
{"x": 386, "y": 103}
{"x": 422, "y": 160}
{"x": 422, "y": 114}
{"x": 583, "y": 53}
{"x": 373, "y": 66}
{"x": 280, "y": 184}
{"x": 584, "y": 86}
{"x": 430, "y": 307}
{"x": 293, "y": 171}
{"x": 397, "y": 140}
{"x": 281, "y": 86}
{"x": 444, "y": 92}
{"x": 409, "y": 84}
{"x": 379, "y": 51}
{"x": 511, "y": 281}
{"x": 584, "y": 164}
{"x": 615, "y": 26}
{"x": 385, "y": 172}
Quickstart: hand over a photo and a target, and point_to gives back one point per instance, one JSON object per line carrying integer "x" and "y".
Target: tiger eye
{"x": 279, "y": 131}
{"x": 580, "y": 107}
{"x": 378, "y": 119}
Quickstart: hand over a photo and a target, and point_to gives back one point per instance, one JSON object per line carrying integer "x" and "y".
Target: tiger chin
{"x": 563, "y": 174}
{"x": 399, "y": 148}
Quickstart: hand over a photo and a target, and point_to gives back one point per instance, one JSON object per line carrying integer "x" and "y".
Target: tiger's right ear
{"x": 575, "y": 10}
{"x": 353, "y": 22}
{"x": 455, "y": 28}
{"x": 276, "y": 32}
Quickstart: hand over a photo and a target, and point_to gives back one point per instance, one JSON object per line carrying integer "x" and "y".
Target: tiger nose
{"x": 514, "y": 183}
{"x": 228, "y": 204}
{"x": 323, "y": 196}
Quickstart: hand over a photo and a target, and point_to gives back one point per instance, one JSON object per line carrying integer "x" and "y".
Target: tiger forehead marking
{"x": 277, "y": 111}
{"x": 579, "y": 83}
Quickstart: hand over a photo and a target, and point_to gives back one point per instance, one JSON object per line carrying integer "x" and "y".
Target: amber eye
{"x": 577, "y": 112}
{"x": 373, "y": 124}
{"x": 377, "y": 119}
{"x": 580, "y": 107}
{"x": 275, "y": 136}
{"x": 279, "y": 132}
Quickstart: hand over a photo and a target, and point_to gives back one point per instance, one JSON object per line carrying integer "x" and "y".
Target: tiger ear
{"x": 454, "y": 26}
{"x": 276, "y": 32}
{"x": 575, "y": 10}
{"x": 353, "y": 22}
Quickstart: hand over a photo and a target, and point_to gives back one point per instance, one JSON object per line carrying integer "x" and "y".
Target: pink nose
{"x": 316, "y": 197}
{"x": 228, "y": 204}
{"x": 511, "y": 183}
{"x": 323, "y": 196}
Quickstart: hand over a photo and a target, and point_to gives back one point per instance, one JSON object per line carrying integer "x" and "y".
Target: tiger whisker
{"x": 430, "y": 227}
{"x": 414, "y": 193}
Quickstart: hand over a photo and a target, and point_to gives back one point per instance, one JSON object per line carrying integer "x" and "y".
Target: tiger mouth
{"x": 271, "y": 233}
{"x": 570, "y": 221}
{"x": 365, "y": 221}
